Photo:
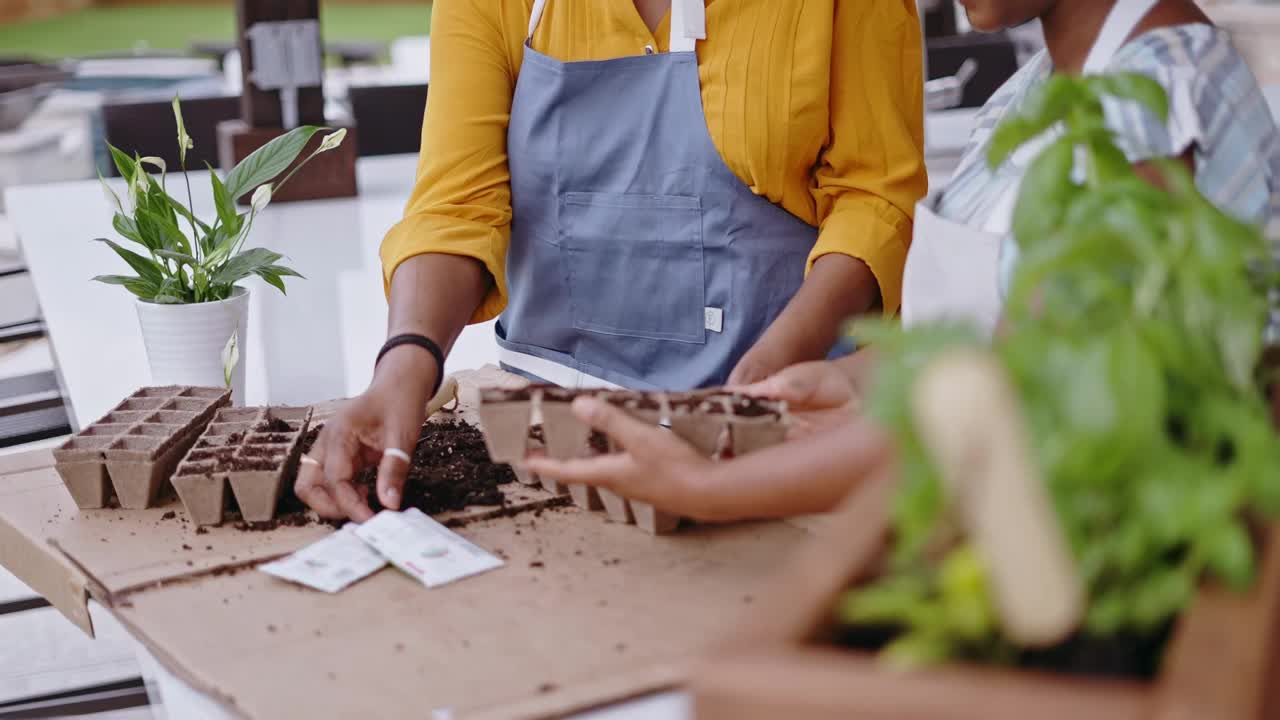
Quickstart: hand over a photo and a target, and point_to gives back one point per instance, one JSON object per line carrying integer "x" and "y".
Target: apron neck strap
{"x": 1119, "y": 25}
{"x": 688, "y": 23}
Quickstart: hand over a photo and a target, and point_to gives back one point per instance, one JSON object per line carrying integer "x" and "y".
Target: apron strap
{"x": 1120, "y": 24}
{"x": 688, "y": 23}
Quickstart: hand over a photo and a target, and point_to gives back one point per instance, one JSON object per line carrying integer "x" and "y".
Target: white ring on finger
{"x": 398, "y": 454}
{"x": 308, "y": 460}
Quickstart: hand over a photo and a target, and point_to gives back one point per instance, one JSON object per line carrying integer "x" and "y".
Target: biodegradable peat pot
{"x": 185, "y": 342}
{"x": 780, "y": 661}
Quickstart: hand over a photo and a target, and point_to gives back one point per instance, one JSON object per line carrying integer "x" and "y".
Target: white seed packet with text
{"x": 424, "y": 548}
{"x": 330, "y": 564}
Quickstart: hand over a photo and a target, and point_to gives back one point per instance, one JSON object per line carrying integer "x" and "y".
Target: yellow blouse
{"x": 815, "y": 104}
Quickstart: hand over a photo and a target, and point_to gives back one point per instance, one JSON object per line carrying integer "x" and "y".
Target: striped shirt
{"x": 1215, "y": 107}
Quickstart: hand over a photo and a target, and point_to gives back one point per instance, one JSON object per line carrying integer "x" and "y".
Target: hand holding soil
{"x": 654, "y": 465}
{"x": 388, "y": 415}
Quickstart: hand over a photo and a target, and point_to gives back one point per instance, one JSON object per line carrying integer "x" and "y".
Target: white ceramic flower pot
{"x": 185, "y": 342}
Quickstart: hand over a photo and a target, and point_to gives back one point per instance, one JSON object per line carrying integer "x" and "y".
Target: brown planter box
{"x": 1221, "y": 662}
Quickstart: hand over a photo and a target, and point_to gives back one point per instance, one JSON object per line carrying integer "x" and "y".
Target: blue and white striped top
{"x": 1215, "y": 107}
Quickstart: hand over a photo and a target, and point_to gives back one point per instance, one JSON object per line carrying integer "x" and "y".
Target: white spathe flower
{"x": 184, "y": 140}
{"x": 231, "y": 356}
{"x": 156, "y": 162}
{"x": 332, "y": 140}
{"x": 261, "y": 197}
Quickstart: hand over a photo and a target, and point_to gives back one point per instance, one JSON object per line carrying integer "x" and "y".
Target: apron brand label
{"x": 713, "y": 319}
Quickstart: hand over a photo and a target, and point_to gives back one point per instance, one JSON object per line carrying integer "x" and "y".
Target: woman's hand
{"x": 838, "y": 287}
{"x": 658, "y": 468}
{"x": 655, "y": 466}
{"x": 388, "y": 415}
{"x": 819, "y": 395}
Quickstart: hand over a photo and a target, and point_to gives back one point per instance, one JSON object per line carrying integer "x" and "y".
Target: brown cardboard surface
{"x": 585, "y": 611}
{"x": 32, "y": 501}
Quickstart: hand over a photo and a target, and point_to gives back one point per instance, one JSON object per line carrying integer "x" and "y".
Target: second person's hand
{"x": 819, "y": 395}
{"x": 379, "y": 427}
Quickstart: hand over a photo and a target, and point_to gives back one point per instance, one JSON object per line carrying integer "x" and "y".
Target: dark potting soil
{"x": 1123, "y": 656}
{"x": 275, "y": 438}
{"x": 451, "y": 470}
{"x": 309, "y": 439}
{"x": 266, "y": 451}
{"x": 599, "y": 443}
{"x": 751, "y": 407}
{"x": 253, "y": 464}
{"x": 274, "y": 425}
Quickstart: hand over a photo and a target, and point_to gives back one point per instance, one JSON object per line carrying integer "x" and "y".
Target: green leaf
{"x": 135, "y": 285}
{"x": 1044, "y": 108}
{"x": 1046, "y": 193}
{"x": 149, "y": 270}
{"x": 161, "y": 233}
{"x": 127, "y": 228}
{"x": 916, "y": 650}
{"x": 243, "y": 265}
{"x": 1228, "y": 554}
{"x": 1137, "y": 87}
{"x": 179, "y": 256}
{"x": 124, "y": 163}
{"x": 268, "y": 161}
{"x": 225, "y": 204}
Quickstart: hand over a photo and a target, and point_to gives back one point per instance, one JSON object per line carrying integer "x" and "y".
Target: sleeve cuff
{"x": 423, "y": 234}
{"x": 878, "y": 235}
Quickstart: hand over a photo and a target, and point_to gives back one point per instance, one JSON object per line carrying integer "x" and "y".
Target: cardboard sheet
{"x": 585, "y": 611}
{"x": 33, "y": 504}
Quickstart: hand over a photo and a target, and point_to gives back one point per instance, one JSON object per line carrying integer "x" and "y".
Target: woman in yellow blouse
{"x": 646, "y": 193}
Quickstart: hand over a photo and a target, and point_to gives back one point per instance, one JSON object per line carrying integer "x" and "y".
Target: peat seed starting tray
{"x": 254, "y": 450}
{"x": 540, "y": 417}
{"x": 131, "y": 451}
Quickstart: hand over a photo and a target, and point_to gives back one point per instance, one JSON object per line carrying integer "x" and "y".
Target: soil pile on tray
{"x": 451, "y": 470}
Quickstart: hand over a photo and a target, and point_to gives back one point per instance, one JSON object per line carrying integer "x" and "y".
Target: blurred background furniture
{"x": 146, "y": 128}
{"x": 389, "y": 117}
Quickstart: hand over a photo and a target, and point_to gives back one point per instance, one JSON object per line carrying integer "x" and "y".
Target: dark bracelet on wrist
{"x": 423, "y": 342}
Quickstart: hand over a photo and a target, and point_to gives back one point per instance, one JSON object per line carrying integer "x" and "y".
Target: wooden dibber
{"x": 991, "y": 475}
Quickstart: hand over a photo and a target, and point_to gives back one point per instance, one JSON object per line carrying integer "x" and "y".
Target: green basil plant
{"x": 182, "y": 259}
{"x": 1134, "y": 333}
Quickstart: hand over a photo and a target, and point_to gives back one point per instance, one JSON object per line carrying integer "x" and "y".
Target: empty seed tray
{"x": 715, "y": 422}
{"x": 254, "y": 450}
{"x": 133, "y": 449}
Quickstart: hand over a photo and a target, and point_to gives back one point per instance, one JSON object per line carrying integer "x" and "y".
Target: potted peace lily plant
{"x": 191, "y": 307}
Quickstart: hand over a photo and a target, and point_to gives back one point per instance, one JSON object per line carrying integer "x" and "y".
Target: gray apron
{"x": 637, "y": 257}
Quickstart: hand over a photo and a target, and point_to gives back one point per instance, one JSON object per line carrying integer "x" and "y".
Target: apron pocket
{"x": 635, "y": 264}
